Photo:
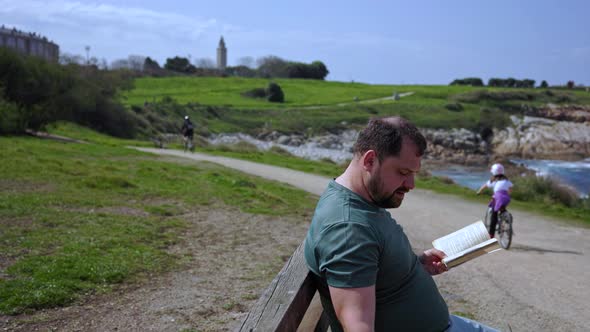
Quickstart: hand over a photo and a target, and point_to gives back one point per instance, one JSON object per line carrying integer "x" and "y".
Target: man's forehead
{"x": 410, "y": 161}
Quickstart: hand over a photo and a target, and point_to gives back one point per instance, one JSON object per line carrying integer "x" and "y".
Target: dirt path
{"x": 367, "y": 101}
{"x": 540, "y": 284}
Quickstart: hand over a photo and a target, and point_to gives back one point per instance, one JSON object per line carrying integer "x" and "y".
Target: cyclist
{"x": 188, "y": 131}
{"x": 502, "y": 189}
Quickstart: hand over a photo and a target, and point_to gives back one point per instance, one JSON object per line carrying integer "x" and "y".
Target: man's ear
{"x": 369, "y": 160}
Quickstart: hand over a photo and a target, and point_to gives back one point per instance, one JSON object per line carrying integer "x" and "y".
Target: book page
{"x": 483, "y": 248}
{"x": 462, "y": 239}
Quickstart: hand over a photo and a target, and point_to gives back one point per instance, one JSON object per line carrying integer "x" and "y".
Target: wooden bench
{"x": 290, "y": 303}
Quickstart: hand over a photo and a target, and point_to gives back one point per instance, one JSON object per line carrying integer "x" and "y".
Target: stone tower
{"x": 221, "y": 55}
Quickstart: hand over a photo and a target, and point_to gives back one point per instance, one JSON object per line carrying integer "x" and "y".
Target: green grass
{"x": 77, "y": 132}
{"x": 227, "y": 91}
{"x": 312, "y": 106}
{"x": 81, "y": 218}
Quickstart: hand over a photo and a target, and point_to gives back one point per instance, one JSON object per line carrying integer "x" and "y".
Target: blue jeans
{"x": 461, "y": 324}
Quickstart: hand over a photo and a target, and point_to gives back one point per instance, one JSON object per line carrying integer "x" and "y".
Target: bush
{"x": 544, "y": 189}
{"x": 12, "y": 118}
{"x": 279, "y": 150}
{"x": 455, "y": 107}
{"x": 255, "y": 93}
{"x": 42, "y": 92}
{"x": 275, "y": 93}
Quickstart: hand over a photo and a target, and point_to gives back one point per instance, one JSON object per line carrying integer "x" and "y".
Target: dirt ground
{"x": 230, "y": 257}
{"x": 540, "y": 284}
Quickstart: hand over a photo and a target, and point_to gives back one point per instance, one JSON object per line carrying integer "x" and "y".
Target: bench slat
{"x": 282, "y": 306}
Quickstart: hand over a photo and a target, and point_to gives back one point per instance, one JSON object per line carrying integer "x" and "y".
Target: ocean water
{"x": 468, "y": 177}
{"x": 576, "y": 174}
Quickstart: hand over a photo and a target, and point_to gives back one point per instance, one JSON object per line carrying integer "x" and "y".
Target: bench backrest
{"x": 284, "y": 303}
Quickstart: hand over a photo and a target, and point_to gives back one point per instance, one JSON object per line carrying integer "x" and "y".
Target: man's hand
{"x": 431, "y": 259}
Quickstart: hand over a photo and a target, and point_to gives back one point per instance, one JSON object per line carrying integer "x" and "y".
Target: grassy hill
{"x": 311, "y": 106}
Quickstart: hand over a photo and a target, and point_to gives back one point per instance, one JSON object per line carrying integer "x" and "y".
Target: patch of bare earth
{"x": 229, "y": 258}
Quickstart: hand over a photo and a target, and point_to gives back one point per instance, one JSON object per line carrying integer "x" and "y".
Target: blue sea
{"x": 576, "y": 174}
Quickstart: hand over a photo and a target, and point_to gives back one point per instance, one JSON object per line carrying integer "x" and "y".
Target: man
{"x": 368, "y": 277}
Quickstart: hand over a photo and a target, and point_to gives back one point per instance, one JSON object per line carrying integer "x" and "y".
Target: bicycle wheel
{"x": 185, "y": 143}
{"x": 505, "y": 229}
{"x": 191, "y": 145}
{"x": 487, "y": 218}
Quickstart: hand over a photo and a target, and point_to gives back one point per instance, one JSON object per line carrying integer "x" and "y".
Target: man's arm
{"x": 354, "y": 307}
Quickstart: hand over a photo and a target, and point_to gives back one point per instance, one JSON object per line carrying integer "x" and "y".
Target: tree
{"x": 472, "y": 81}
{"x": 570, "y": 84}
{"x": 240, "y": 71}
{"x": 544, "y": 84}
{"x": 120, "y": 64}
{"x": 136, "y": 62}
{"x": 272, "y": 66}
{"x": 319, "y": 70}
{"x": 247, "y": 61}
{"x": 68, "y": 59}
{"x": 206, "y": 63}
{"x": 179, "y": 64}
{"x": 275, "y": 93}
{"x": 150, "y": 65}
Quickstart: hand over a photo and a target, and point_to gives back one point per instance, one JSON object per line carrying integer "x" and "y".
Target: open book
{"x": 466, "y": 244}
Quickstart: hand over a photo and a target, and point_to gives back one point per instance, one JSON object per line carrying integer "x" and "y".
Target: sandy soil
{"x": 540, "y": 284}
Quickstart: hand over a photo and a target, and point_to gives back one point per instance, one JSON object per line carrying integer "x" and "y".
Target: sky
{"x": 377, "y": 42}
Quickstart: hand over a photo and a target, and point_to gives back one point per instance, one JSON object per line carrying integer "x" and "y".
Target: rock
{"x": 543, "y": 138}
{"x": 284, "y": 139}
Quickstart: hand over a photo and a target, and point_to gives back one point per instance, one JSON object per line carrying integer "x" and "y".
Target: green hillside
{"x": 313, "y": 107}
{"x": 220, "y": 91}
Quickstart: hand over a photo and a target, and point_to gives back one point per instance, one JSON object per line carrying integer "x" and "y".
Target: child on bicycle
{"x": 502, "y": 189}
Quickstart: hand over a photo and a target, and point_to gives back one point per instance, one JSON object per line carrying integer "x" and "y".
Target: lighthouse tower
{"x": 221, "y": 55}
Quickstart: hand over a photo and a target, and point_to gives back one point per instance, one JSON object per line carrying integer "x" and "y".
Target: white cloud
{"x": 107, "y": 26}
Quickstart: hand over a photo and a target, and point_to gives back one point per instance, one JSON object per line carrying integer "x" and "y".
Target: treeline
{"x": 34, "y": 93}
{"x": 266, "y": 67}
{"x": 499, "y": 82}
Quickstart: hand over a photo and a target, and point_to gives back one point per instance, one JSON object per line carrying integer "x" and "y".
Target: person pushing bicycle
{"x": 502, "y": 188}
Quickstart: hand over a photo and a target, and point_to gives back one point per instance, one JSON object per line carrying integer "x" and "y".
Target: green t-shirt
{"x": 352, "y": 243}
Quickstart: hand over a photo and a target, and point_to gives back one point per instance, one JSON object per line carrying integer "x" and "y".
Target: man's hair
{"x": 385, "y": 136}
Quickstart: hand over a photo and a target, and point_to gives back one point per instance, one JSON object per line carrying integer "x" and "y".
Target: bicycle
{"x": 503, "y": 226}
{"x": 188, "y": 144}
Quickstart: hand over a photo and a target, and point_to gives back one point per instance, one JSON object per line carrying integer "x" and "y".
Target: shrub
{"x": 544, "y": 189}
{"x": 279, "y": 150}
{"x": 12, "y": 118}
{"x": 275, "y": 93}
{"x": 455, "y": 107}
{"x": 255, "y": 93}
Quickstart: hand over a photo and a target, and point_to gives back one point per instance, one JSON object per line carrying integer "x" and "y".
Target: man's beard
{"x": 381, "y": 199}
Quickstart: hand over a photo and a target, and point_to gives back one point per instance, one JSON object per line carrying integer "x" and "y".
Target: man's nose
{"x": 409, "y": 182}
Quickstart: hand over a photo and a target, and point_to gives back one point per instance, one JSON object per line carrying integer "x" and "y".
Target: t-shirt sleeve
{"x": 348, "y": 255}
